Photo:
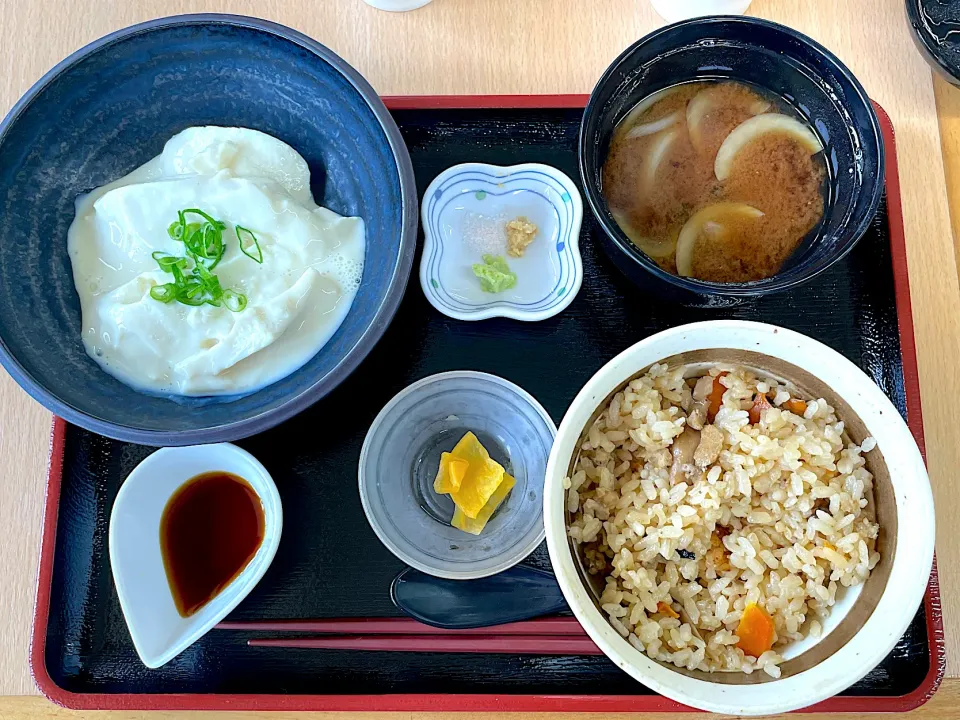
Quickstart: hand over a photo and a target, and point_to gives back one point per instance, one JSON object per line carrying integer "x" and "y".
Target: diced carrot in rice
{"x": 756, "y": 631}
{"x": 797, "y": 407}
{"x": 715, "y": 398}
{"x": 665, "y": 609}
{"x": 760, "y": 404}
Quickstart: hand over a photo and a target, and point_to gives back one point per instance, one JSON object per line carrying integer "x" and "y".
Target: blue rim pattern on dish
{"x": 554, "y": 187}
{"x": 487, "y": 180}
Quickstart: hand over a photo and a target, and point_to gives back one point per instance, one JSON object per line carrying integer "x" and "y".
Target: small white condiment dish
{"x": 868, "y": 619}
{"x": 464, "y": 212}
{"x": 158, "y": 631}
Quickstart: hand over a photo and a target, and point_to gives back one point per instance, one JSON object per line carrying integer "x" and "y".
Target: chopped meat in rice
{"x": 711, "y": 443}
{"x": 749, "y": 510}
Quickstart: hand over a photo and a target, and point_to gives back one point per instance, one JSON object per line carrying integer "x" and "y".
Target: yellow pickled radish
{"x": 481, "y": 479}
{"x": 475, "y": 526}
{"x": 450, "y": 474}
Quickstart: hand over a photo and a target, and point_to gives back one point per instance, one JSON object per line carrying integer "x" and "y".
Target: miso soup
{"x": 717, "y": 181}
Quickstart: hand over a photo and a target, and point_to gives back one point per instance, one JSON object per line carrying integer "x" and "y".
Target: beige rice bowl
{"x": 662, "y": 526}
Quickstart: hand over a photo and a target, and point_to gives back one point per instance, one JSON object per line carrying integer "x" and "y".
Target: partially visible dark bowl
{"x": 110, "y": 107}
{"x": 934, "y": 23}
{"x": 788, "y": 64}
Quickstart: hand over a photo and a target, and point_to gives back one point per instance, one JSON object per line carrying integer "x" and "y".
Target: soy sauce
{"x": 210, "y": 529}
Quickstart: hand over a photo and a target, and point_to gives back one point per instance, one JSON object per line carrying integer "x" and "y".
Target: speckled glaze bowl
{"x": 867, "y": 620}
{"x": 110, "y": 107}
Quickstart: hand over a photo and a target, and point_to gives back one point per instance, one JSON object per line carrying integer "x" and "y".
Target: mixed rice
{"x": 699, "y": 497}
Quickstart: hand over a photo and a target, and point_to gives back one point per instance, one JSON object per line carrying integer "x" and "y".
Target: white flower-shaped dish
{"x": 158, "y": 631}
{"x": 464, "y": 211}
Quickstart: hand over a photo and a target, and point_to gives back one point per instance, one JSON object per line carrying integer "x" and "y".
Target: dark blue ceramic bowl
{"x": 110, "y": 107}
{"x": 788, "y": 64}
{"x": 935, "y": 24}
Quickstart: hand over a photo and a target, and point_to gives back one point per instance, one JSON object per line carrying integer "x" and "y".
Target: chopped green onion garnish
{"x": 191, "y": 300}
{"x": 203, "y": 272}
{"x": 241, "y": 233}
{"x": 190, "y": 292}
{"x": 164, "y": 293}
{"x": 203, "y": 243}
{"x": 177, "y": 271}
{"x": 169, "y": 262}
{"x": 182, "y": 214}
{"x": 234, "y": 301}
{"x": 190, "y": 287}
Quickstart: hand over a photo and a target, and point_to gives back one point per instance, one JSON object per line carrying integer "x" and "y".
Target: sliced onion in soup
{"x": 656, "y": 126}
{"x": 711, "y": 220}
{"x": 705, "y": 102}
{"x": 713, "y": 229}
{"x": 749, "y": 130}
{"x": 659, "y": 150}
{"x": 648, "y": 102}
{"x": 650, "y": 247}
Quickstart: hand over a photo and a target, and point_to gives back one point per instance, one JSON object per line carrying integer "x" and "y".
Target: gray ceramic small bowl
{"x": 401, "y": 454}
{"x": 109, "y": 108}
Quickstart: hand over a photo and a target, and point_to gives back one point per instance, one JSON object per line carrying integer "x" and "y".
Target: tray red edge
{"x": 492, "y": 702}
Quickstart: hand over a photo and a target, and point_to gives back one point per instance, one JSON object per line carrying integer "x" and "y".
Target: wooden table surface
{"x": 528, "y": 46}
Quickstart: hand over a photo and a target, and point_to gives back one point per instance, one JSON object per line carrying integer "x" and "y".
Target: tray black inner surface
{"x": 330, "y": 564}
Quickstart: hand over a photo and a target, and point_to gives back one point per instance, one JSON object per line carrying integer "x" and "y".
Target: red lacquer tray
{"x": 77, "y": 679}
